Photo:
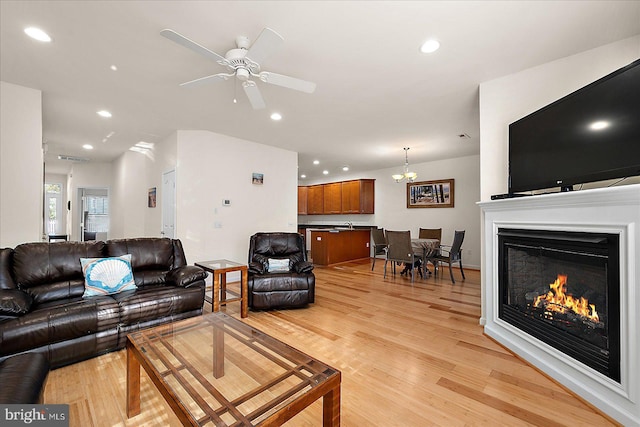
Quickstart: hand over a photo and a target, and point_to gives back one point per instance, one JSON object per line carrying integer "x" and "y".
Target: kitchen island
{"x": 333, "y": 246}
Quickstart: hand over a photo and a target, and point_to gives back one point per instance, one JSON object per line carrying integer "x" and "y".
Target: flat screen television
{"x": 592, "y": 134}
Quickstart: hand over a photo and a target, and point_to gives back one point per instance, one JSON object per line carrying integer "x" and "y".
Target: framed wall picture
{"x": 257, "y": 178}
{"x": 430, "y": 194}
{"x": 151, "y": 199}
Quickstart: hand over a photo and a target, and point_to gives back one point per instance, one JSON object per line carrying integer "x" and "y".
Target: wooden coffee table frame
{"x": 319, "y": 379}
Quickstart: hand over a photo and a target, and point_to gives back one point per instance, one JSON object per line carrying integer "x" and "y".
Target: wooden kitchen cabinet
{"x": 358, "y": 196}
{"x": 333, "y": 198}
{"x": 345, "y": 197}
{"x": 302, "y": 200}
{"x": 315, "y": 199}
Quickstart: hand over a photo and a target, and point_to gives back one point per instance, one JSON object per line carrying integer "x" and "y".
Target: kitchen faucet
{"x": 350, "y": 224}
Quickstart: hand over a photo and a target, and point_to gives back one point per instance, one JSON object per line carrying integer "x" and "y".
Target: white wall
{"x": 509, "y": 98}
{"x": 391, "y": 204}
{"x": 162, "y": 159}
{"x": 21, "y": 182}
{"x": 212, "y": 167}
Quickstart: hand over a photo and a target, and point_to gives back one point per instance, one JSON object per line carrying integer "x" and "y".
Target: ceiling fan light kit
{"x": 243, "y": 62}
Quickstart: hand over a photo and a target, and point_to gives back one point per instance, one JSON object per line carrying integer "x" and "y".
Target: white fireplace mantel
{"x": 610, "y": 210}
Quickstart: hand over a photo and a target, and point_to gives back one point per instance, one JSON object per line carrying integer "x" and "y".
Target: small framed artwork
{"x": 257, "y": 178}
{"x": 430, "y": 194}
{"x": 151, "y": 199}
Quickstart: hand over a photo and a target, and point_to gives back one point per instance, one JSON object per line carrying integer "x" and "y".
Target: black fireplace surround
{"x": 563, "y": 288}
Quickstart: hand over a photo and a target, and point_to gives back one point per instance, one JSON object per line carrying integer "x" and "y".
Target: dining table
{"x": 426, "y": 248}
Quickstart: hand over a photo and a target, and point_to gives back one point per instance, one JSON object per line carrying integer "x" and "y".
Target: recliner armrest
{"x": 256, "y": 267}
{"x": 302, "y": 267}
{"x": 185, "y": 276}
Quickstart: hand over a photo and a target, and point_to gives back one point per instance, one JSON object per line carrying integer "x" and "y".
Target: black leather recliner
{"x": 279, "y": 274}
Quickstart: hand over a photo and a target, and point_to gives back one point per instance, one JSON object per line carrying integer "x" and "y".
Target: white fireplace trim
{"x": 610, "y": 210}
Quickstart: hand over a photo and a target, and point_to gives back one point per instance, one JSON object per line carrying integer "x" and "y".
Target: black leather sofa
{"x": 23, "y": 378}
{"x": 293, "y": 285}
{"x": 42, "y": 309}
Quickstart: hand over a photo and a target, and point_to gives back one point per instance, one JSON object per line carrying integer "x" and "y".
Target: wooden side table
{"x": 219, "y": 269}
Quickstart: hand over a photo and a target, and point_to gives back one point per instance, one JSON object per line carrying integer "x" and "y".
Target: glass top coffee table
{"x": 215, "y": 370}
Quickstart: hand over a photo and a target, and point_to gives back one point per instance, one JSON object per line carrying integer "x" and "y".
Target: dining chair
{"x": 450, "y": 254}
{"x": 400, "y": 250}
{"x": 379, "y": 244}
{"x": 430, "y": 233}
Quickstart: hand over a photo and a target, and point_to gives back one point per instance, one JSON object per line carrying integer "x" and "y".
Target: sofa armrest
{"x": 185, "y": 276}
{"x": 14, "y": 302}
{"x": 302, "y": 267}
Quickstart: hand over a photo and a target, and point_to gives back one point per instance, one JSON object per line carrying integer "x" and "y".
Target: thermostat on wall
{"x": 226, "y": 202}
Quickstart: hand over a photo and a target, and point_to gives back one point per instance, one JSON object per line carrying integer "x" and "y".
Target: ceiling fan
{"x": 243, "y": 63}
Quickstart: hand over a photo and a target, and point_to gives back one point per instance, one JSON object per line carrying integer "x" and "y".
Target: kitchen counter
{"x": 332, "y": 246}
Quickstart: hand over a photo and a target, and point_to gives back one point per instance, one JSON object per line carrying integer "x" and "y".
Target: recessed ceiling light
{"x": 276, "y": 116}
{"x": 599, "y": 125}
{"x": 303, "y": 176}
{"x": 316, "y": 162}
{"x": 430, "y": 46}
{"x": 113, "y": 68}
{"x": 38, "y": 34}
{"x": 87, "y": 147}
{"x": 345, "y": 168}
{"x": 325, "y": 172}
{"x": 104, "y": 113}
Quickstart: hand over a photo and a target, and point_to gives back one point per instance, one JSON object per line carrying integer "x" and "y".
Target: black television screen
{"x": 592, "y": 134}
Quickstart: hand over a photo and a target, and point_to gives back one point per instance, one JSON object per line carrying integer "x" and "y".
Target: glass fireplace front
{"x": 563, "y": 288}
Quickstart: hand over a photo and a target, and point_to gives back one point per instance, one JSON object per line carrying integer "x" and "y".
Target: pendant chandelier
{"x": 409, "y": 176}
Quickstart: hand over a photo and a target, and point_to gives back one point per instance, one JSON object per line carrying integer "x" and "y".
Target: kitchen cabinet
{"x": 335, "y": 246}
{"x": 333, "y": 198}
{"x": 344, "y": 197}
{"x": 315, "y": 199}
{"x": 358, "y": 196}
{"x": 302, "y": 200}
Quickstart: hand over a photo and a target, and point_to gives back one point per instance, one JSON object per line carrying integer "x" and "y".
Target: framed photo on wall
{"x": 257, "y": 178}
{"x": 430, "y": 194}
{"x": 151, "y": 198}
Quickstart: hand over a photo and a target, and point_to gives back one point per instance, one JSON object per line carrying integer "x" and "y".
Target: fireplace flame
{"x": 559, "y": 301}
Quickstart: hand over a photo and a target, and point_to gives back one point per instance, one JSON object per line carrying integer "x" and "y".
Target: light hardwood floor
{"x": 410, "y": 355}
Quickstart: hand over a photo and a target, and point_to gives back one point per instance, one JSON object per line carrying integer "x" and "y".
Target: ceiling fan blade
{"x": 288, "y": 82}
{"x": 206, "y": 79}
{"x": 190, "y": 44}
{"x": 267, "y": 42}
{"x": 253, "y": 93}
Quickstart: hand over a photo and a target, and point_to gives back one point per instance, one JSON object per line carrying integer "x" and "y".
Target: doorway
{"x": 94, "y": 213}
{"x": 54, "y": 221}
{"x": 168, "y": 203}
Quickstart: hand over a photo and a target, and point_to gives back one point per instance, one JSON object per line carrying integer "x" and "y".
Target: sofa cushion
{"x": 104, "y": 276}
{"x": 147, "y": 253}
{"x": 58, "y": 321}
{"x": 14, "y": 302}
{"x": 155, "y": 302}
{"x": 281, "y": 282}
{"x": 52, "y": 271}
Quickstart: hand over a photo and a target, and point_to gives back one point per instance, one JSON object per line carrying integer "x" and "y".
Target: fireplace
{"x": 563, "y": 288}
{"x": 583, "y": 244}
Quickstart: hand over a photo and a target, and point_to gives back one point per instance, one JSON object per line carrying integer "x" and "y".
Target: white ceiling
{"x": 375, "y": 92}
